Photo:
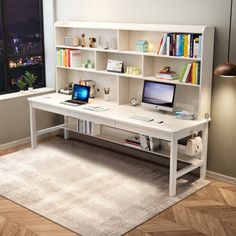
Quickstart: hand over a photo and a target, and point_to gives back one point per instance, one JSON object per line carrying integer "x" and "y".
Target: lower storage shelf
{"x": 120, "y": 137}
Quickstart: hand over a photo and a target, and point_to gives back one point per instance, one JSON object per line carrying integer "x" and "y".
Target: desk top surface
{"x": 119, "y": 113}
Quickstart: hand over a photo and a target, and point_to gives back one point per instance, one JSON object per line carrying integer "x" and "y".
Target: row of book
{"x": 88, "y": 128}
{"x": 144, "y": 142}
{"x": 191, "y": 73}
{"x": 181, "y": 45}
{"x": 68, "y": 58}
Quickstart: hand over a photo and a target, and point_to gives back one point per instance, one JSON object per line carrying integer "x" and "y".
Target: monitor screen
{"x": 159, "y": 94}
{"x": 81, "y": 93}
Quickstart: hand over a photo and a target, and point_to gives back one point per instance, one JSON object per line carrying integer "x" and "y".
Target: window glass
{"x": 24, "y": 47}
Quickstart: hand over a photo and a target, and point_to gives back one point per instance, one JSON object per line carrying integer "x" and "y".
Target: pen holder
{"x": 106, "y": 97}
{"x": 107, "y": 91}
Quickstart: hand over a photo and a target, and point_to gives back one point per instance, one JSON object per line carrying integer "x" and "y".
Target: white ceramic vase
{"x": 106, "y": 97}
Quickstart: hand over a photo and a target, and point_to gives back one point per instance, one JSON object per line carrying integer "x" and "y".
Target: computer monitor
{"x": 159, "y": 95}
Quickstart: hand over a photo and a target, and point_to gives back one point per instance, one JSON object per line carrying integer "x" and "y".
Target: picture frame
{"x": 115, "y": 66}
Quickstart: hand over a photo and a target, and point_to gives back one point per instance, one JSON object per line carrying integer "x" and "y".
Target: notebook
{"x": 80, "y": 95}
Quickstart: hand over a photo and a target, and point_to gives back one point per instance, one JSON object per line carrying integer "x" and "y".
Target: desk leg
{"x": 173, "y": 166}
{"x": 204, "y": 152}
{"x": 66, "y": 132}
{"x": 33, "y": 131}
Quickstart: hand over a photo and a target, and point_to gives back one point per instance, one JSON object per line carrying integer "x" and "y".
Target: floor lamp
{"x": 227, "y": 70}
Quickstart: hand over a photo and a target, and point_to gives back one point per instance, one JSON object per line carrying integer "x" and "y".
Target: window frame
{"x": 6, "y": 86}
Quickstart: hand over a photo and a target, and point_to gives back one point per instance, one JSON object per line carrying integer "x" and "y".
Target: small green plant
{"x": 21, "y": 84}
{"x": 29, "y": 78}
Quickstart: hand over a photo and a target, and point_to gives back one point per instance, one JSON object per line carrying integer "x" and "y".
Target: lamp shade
{"x": 225, "y": 70}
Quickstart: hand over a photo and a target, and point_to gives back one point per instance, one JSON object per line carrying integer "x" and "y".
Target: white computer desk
{"x": 118, "y": 116}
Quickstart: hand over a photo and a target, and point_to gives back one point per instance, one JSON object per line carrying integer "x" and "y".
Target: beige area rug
{"x": 87, "y": 189}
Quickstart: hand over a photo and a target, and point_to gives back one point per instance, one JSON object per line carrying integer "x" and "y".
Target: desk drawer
{"x": 94, "y": 118}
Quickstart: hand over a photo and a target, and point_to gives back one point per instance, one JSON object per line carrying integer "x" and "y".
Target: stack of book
{"x": 168, "y": 75}
{"x": 89, "y": 128}
{"x": 181, "y": 45}
{"x": 133, "y": 141}
{"x": 68, "y": 58}
{"x": 144, "y": 142}
{"x": 185, "y": 115}
{"x": 191, "y": 73}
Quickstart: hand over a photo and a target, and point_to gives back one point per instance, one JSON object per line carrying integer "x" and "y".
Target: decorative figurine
{"x": 133, "y": 70}
{"x": 92, "y": 42}
{"x": 166, "y": 69}
{"x": 83, "y": 41}
{"x": 142, "y": 46}
{"x": 87, "y": 65}
{"x": 70, "y": 87}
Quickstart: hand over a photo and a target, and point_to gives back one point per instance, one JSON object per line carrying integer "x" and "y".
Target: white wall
{"x": 49, "y": 19}
{"x": 211, "y": 12}
{"x": 14, "y": 119}
{"x": 207, "y": 12}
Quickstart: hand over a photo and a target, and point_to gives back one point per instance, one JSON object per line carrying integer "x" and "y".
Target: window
{"x": 23, "y": 47}
{"x": 2, "y": 72}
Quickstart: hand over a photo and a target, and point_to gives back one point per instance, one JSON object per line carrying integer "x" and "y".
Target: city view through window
{"x": 22, "y": 41}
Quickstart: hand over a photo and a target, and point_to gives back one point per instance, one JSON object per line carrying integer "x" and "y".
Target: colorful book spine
{"x": 173, "y": 44}
{"x": 194, "y": 73}
{"x": 183, "y": 72}
{"x": 200, "y": 47}
{"x": 196, "y": 47}
{"x": 187, "y": 72}
{"x": 178, "y": 42}
{"x": 168, "y": 46}
{"x": 199, "y": 73}
{"x": 186, "y": 45}
{"x": 158, "y": 51}
{"x": 191, "y": 46}
{"x": 163, "y": 45}
{"x": 59, "y": 57}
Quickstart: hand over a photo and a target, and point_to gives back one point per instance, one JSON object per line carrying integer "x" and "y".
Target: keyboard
{"x": 142, "y": 118}
{"x": 72, "y": 103}
{"x": 75, "y": 102}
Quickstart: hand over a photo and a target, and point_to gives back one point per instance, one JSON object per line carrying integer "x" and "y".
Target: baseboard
{"x": 221, "y": 177}
{"x": 25, "y": 140}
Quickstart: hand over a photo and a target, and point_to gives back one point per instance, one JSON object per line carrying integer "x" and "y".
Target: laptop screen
{"x": 81, "y": 93}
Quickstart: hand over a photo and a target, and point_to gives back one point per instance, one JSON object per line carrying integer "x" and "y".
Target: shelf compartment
{"x": 153, "y": 65}
{"x": 129, "y": 88}
{"x": 128, "y": 60}
{"x": 148, "y": 54}
{"x": 128, "y": 39}
{"x": 104, "y": 37}
{"x": 140, "y": 77}
{"x": 74, "y": 58}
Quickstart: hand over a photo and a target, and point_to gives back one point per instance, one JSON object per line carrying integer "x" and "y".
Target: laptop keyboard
{"x": 75, "y": 102}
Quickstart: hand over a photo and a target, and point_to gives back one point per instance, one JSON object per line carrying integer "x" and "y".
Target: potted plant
{"x": 30, "y": 79}
{"x": 21, "y": 84}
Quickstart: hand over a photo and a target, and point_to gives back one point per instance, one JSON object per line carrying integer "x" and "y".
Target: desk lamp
{"x": 227, "y": 70}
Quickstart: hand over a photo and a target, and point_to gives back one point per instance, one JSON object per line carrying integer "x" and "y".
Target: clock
{"x": 133, "y": 101}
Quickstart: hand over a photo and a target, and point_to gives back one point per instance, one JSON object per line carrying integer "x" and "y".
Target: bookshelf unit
{"x": 192, "y": 97}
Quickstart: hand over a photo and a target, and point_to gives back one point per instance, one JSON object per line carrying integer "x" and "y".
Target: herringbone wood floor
{"x": 211, "y": 211}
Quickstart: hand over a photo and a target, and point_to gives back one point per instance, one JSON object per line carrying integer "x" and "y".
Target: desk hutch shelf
{"x": 120, "y": 41}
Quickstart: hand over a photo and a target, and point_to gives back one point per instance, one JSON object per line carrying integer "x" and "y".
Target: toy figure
{"x": 92, "y": 42}
{"x": 83, "y": 40}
